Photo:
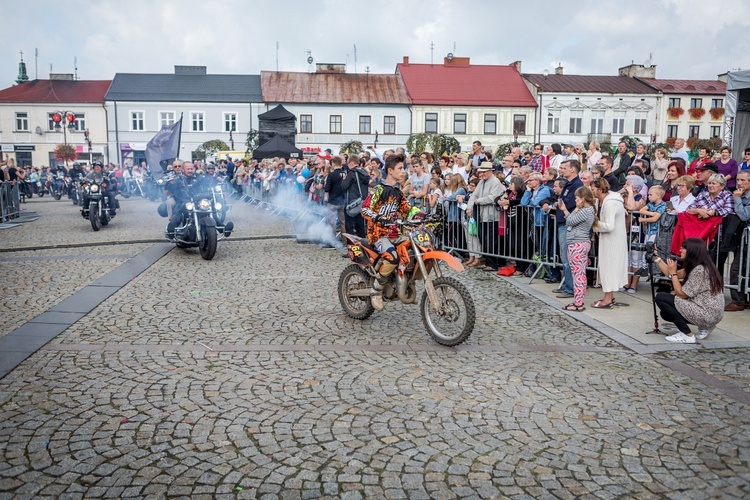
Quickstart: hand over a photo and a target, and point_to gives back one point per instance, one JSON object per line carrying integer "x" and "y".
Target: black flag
{"x": 165, "y": 145}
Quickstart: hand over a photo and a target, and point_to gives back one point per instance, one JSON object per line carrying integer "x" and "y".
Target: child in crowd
{"x": 652, "y": 212}
{"x": 434, "y": 195}
{"x": 578, "y": 224}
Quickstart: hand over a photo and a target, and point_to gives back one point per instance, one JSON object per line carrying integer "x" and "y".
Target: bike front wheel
{"x": 454, "y": 320}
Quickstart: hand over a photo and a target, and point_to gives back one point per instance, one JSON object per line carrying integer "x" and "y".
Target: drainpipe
{"x": 117, "y": 138}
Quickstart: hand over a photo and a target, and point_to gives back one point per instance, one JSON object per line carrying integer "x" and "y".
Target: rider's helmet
{"x": 95, "y": 163}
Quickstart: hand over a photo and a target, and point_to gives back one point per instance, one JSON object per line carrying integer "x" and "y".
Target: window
{"x": 694, "y": 130}
{"x": 490, "y": 124}
{"x": 136, "y": 121}
{"x": 305, "y": 124}
{"x": 715, "y": 131}
{"x": 51, "y": 123}
{"x": 597, "y": 122}
{"x": 671, "y": 130}
{"x": 640, "y": 123}
{"x": 335, "y": 124}
{"x": 519, "y": 124}
{"x": 459, "y": 123}
{"x": 365, "y": 125}
{"x": 696, "y": 102}
{"x": 80, "y": 124}
{"x": 717, "y": 103}
{"x": 674, "y": 102}
{"x": 389, "y": 124}
{"x": 430, "y": 123}
{"x": 196, "y": 122}
{"x": 230, "y": 122}
{"x": 553, "y": 122}
{"x": 166, "y": 118}
{"x": 576, "y": 118}
{"x": 618, "y": 123}
{"x": 22, "y": 122}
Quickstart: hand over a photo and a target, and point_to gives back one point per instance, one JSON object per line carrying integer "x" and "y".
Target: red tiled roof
{"x": 465, "y": 85}
{"x": 56, "y": 91}
{"x": 290, "y": 87}
{"x": 589, "y": 83}
{"x": 715, "y": 87}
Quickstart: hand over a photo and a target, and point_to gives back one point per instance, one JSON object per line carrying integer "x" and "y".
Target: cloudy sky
{"x": 688, "y": 39}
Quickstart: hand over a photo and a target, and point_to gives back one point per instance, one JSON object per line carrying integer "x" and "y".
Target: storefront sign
{"x": 6, "y": 148}
{"x": 24, "y": 147}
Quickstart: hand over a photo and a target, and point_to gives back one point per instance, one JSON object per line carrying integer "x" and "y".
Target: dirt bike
{"x": 446, "y": 307}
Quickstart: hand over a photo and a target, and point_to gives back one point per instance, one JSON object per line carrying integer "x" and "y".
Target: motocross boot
{"x": 377, "y": 299}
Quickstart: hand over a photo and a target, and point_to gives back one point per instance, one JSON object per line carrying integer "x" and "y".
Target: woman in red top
{"x": 704, "y": 157}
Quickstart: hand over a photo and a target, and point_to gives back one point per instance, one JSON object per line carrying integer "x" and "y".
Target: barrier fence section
{"x": 10, "y": 201}
{"x": 529, "y": 237}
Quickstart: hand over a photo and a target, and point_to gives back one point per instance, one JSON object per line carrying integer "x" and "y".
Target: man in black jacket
{"x": 336, "y": 196}
{"x": 355, "y": 184}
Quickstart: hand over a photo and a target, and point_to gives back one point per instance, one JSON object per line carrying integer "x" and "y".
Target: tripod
{"x": 650, "y": 262}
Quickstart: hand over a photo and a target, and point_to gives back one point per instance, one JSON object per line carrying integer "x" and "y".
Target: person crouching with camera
{"x": 697, "y": 297}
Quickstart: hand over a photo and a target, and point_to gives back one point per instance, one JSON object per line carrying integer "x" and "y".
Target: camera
{"x": 648, "y": 248}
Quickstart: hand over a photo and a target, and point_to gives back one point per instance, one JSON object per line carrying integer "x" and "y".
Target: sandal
{"x": 487, "y": 268}
{"x": 600, "y": 304}
{"x": 573, "y": 307}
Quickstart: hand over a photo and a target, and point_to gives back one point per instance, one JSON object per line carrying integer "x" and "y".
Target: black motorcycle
{"x": 95, "y": 204}
{"x": 198, "y": 225}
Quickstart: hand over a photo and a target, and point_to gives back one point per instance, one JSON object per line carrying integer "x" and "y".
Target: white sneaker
{"x": 704, "y": 332}
{"x": 631, "y": 290}
{"x": 681, "y": 338}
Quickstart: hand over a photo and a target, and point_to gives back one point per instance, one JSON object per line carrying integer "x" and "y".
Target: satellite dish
{"x": 309, "y": 60}
{"x": 38, "y": 130}
{"x": 449, "y": 56}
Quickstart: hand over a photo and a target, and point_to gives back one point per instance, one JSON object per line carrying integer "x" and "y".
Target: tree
{"x": 65, "y": 153}
{"x": 253, "y": 137}
{"x": 351, "y": 147}
{"x": 210, "y": 147}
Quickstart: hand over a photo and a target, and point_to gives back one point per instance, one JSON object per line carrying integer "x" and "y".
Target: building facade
{"x": 223, "y": 107}
{"x": 584, "y": 108}
{"x": 334, "y": 108}
{"x": 34, "y": 119}
{"x": 490, "y": 104}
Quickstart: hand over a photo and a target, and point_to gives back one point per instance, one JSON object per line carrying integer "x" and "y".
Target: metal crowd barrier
{"x": 10, "y": 201}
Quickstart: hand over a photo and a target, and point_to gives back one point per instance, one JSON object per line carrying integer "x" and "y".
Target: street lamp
{"x": 57, "y": 118}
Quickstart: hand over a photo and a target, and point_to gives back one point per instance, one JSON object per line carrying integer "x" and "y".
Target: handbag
{"x": 354, "y": 208}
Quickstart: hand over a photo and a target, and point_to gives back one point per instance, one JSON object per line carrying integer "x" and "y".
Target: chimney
{"x": 638, "y": 70}
{"x": 559, "y": 69}
{"x": 517, "y": 65}
{"x": 450, "y": 60}
{"x": 61, "y": 76}
{"x": 330, "y": 68}
{"x": 406, "y": 59}
{"x": 190, "y": 70}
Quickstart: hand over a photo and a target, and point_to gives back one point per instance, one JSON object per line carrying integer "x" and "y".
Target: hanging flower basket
{"x": 716, "y": 113}
{"x": 65, "y": 153}
{"x": 675, "y": 112}
{"x": 696, "y": 113}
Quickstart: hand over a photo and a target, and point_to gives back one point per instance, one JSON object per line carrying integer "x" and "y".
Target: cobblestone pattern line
{"x": 359, "y": 425}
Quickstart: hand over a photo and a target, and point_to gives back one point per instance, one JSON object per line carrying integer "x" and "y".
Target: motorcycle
{"x": 447, "y": 308}
{"x": 95, "y": 204}
{"x": 76, "y": 190}
{"x": 198, "y": 225}
{"x": 58, "y": 187}
{"x": 219, "y": 200}
{"x": 153, "y": 189}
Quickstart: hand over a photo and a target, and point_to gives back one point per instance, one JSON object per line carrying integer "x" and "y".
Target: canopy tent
{"x": 277, "y": 122}
{"x": 276, "y": 147}
{"x": 279, "y": 113}
{"x": 737, "y": 113}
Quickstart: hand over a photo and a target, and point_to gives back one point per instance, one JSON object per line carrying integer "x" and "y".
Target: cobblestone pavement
{"x": 241, "y": 377}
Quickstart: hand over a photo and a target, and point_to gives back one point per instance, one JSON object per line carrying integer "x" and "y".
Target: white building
{"x": 223, "y": 107}
{"x": 333, "y": 107}
{"x": 28, "y": 130}
{"x": 584, "y": 108}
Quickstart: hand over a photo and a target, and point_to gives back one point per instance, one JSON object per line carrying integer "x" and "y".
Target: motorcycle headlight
{"x": 94, "y": 188}
{"x": 190, "y": 205}
{"x": 217, "y": 189}
{"x": 217, "y": 206}
{"x": 204, "y": 204}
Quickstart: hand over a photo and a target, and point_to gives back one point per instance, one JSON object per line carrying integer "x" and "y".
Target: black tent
{"x": 277, "y": 121}
{"x": 276, "y": 147}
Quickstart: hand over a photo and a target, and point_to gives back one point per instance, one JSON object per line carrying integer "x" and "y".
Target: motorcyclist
{"x": 182, "y": 188}
{"x": 384, "y": 204}
{"x": 100, "y": 177}
{"x": 58, "y": 173}
{"x": 75, "y": 172}
{"x": 172, "y": 172}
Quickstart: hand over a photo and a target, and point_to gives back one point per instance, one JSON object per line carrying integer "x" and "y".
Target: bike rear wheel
{"x": 352, "y": 278}
{"x": 455, "y": 321}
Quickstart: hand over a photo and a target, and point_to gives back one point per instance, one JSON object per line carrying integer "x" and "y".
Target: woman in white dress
{"x": 613, "y": 242}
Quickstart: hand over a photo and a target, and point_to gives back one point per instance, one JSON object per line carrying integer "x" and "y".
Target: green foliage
{"x": 251, "y": 141}
{"x": 657, "y": 145}
{"x": 504, "y": 149}
{"x": 713, "y": 145}
{"x": 351, "y": 147}
{"x": 209, "y": 147}
{"x": 417, "y": 143}
{"x": 449, "y": 145}
{"x": 437, "y": 144}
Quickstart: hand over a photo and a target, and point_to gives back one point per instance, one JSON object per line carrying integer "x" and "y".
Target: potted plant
{"x": 675, "y": 112}
{"x": 716, "y": 113}
{"x": 65, "y": 153}
{"x": 696, "y": 113}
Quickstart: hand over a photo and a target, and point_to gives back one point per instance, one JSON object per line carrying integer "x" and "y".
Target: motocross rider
{"x": 384, "y": 204}
{"x": 181, "y": 187}
{"x": 96, "y": 175}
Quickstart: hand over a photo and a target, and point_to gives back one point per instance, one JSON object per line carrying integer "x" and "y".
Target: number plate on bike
{"x": 424, "y": 237}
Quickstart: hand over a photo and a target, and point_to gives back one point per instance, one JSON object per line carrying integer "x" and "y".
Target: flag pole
{"x": 179, "y": 138}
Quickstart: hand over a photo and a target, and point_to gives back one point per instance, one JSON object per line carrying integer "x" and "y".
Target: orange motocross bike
{"x": 447, "y": 307}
